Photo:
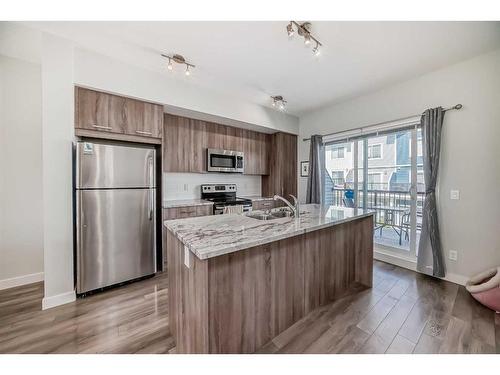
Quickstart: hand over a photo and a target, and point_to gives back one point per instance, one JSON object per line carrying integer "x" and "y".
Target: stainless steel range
{"x": 224, "y": 195}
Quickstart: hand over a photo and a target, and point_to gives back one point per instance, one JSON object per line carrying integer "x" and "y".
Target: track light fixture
{"x": 304, "y": 30}
{"x": 278, "y": 102}
{"x": 179, "y": 59}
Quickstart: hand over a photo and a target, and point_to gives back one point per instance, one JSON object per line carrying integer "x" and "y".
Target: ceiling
{"x": 254, "y": 60}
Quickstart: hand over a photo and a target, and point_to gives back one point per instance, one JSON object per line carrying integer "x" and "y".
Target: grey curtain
{"x": 315, "y": 178}
{"x": 430, "y": 254}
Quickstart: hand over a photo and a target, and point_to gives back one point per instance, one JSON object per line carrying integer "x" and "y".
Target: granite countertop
{"x": 256, "y": 198}
{"x": 210, "y": 236}
{"x": 185, "y": 203}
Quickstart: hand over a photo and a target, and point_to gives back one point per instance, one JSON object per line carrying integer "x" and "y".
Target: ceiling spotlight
{"x": 316, "y": 50}
{"x": 304, "y": 30}
{"x": 278, "y": 101}
{"x": 179, "y": 59}
{"x": 307, "y": 39}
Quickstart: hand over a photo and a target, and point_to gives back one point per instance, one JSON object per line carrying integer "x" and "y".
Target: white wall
{"x": 101, "y": 72}
{"x": 187, "y": 185}
{"x": 470, "y": 153}
{"x": 21, "y": 229}
{"x": 57, "y": 138}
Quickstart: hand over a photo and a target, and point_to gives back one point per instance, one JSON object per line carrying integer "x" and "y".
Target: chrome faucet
{"x": 294, "y": 207}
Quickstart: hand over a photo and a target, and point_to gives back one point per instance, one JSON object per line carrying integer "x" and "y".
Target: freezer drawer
{"x": 100, "y": 166}
{"x": 116, "y": 236}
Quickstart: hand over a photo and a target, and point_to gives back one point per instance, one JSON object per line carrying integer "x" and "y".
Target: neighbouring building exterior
{"x": 389, "y": 163}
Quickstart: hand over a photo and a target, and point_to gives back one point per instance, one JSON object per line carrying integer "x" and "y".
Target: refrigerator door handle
{"x": 151, "y": 204}
{"x": 151, "y": 171}
{"x": 151, "y": 188}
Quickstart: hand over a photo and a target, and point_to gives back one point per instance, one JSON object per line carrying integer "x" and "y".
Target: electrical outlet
{"x": 455, "y": 194}
{"x": 453, "y": 255}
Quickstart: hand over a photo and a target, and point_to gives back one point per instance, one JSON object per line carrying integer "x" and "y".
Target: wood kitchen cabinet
{"x": 186, "y": 141}
{"x": 103, "y": 115}
{"x": 92, "y": 110}
{"x": 255, "y": 147}
{"x": 181, "y": 213}
{"x": 184, "y": 145}
{"x": 282, "y": 178}
{"x": 188, "y": 211}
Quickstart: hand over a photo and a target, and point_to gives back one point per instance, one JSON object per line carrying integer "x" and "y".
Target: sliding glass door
{"x": 384, "y": 173}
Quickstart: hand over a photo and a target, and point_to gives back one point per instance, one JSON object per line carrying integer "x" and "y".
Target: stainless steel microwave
{"x": 225, "y": 161}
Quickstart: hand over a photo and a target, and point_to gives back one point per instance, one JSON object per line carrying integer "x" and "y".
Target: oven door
{"x": 224, "y": 161}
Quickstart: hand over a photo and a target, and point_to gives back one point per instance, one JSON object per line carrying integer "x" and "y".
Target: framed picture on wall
{"x": 304, "y": 168}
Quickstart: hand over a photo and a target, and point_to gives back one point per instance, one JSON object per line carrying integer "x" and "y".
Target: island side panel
{"x": 255, "y": 294}
{"x": 364, "y": 251}
{"x": 188, "y": 298}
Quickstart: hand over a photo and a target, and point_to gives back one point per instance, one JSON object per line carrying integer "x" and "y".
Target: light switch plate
{"x": 453, "y": 255}
{"x": 455, "y": 194}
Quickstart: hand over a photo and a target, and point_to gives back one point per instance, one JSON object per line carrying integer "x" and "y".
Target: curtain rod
{"x": 457, "y": 106}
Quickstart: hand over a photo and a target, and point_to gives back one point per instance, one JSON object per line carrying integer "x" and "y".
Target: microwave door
{"x": 223, "y": 162}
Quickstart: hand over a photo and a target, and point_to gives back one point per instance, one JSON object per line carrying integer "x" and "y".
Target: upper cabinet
{"x": 282, "y": 177}
{"x": 186, "y": 141}
{"x": 105, "y": 115}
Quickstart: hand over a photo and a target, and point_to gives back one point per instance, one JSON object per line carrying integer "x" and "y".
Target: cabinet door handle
{"x": 142, "y": 132}
{"x": 101, "y": 127}
{"x": 266, "y": 204}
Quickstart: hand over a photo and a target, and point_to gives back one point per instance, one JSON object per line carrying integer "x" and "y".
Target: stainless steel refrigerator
{"x": 115, "y": 200}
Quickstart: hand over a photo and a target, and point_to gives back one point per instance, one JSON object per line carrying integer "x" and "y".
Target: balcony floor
{"x": 390, "y": 238}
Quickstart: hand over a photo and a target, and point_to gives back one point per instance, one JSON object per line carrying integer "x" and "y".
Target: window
{"x": 338, "y": 152}
{"x": 338, "y": 177}
{"x": 375, "y": 151}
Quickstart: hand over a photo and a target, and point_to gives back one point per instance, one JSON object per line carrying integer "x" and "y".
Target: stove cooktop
{"x": 230, "y": 200}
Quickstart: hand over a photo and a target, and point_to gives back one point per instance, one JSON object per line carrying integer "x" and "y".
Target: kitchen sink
{"x": 280, "y": 214}
{"x": 262, "y": 216}
{"x": 270, "y": 216}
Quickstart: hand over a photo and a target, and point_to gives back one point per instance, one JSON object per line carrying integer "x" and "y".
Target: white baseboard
{"x": 456, "y": 278}
{"x": 396, "y": 259}
{"x": 57, "y": 300}
{"x": 411, "y": 264}
{"x": 21, "y": 280}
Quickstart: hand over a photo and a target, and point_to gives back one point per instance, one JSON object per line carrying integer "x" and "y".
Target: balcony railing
{"x": 377, "y": 198}
{"x": 392, "y": 208}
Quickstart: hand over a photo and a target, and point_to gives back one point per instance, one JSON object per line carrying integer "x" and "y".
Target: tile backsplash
{"x": 187, "y": 185}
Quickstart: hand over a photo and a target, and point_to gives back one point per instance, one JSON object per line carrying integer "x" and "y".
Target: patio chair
{"x": 349, "y": 202}
{"x": 405, "y": 225}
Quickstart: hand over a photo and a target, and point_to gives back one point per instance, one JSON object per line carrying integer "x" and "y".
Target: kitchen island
{"x": 236, "y": 282}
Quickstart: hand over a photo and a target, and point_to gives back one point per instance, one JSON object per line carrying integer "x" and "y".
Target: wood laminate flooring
{"x": 404, "y": 312}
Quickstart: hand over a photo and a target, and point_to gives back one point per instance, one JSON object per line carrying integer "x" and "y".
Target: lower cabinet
{"x": 180, "y": 213}
{"x": 184, "y": 212}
